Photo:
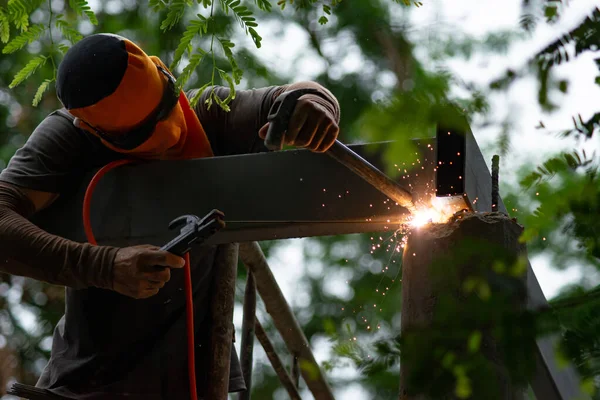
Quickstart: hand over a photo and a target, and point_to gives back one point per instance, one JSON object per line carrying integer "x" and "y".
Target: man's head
{"x": 120, "y": 94}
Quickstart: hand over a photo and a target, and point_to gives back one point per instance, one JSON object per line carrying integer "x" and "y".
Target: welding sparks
{"x": 422, "y": 218}
{"x": 435, "y": 212}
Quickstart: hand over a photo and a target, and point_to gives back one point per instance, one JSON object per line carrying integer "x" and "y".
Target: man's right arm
{"x": 27, "y": 250}
{"x": 26, "y": 186}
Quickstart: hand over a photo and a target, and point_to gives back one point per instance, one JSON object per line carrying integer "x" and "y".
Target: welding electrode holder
{"x": 193, "y": 230}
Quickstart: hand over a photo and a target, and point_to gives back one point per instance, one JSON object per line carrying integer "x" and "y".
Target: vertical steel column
{"x": 248, "y": 335}
{"x": 284, "y": 377}
{"x": 284, "y": 320}
{"x": 221, "y": 338}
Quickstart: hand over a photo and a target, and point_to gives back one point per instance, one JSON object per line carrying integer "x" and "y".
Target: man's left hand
{"x": 311, "y": 126}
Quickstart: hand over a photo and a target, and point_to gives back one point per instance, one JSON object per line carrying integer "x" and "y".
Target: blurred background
{"x": 526, "y": 72}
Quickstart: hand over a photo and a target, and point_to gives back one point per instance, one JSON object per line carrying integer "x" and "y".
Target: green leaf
{"x": 63, "y": 48}
{"x": 550, "y": 12}
{"x": 40, "y": 91}
{"x": 195, "y": 60}
{"x": 195, "y": 28}
{"x": 24, "y": 39}
{"x": 263, "y": 5}
{"x": 563, "y": 86}
{"x": 244, "y": 17}
{"x": 4, "y": 26}
{"x": 194, "y": 100}
{"x": 483, "y": 290}
{"x": 156, "y": 5}
{"x": 71, "y": 34}
{"x": 28, "y": 70}
{"x": 81, "y": 7}
{"x": 463, "y": 387}
{"x": 256, "y": 38}
{"x": 229, "y": 80}
{"x": 236, "y": 71}
{"x": 176, "y": 12}
{"x": 474, "y": 341}
{"x": 311, "y": 369}
{"x": 20, "y": 10}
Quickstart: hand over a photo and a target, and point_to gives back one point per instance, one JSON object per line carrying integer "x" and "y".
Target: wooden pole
{"x": 276, "y": 362}
{"x": 221, "y": 338}
{"x": 462, "y": 282}
{"x": 284, "y": 320}
{"x": 248, "y": 323}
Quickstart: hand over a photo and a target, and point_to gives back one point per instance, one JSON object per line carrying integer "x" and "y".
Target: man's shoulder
{"x": 54, "y": 152}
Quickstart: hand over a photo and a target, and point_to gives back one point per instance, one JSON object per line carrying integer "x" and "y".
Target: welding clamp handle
{"x": 279, "y": 116}
{"x": 193, "y": 231}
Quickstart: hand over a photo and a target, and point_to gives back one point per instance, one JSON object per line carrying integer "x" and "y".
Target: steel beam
{"x": 285, "y": 194}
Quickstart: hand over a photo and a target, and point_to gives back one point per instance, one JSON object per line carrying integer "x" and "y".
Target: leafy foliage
{"x": 195, "y": 28}
{"x": 24, "y": 39}
{"x": 81, "y": 7}
{"x": 4, "y": 26}
{"x": 40, "y": 91}
{"x": 19, "y": 11}
{"x": 71, "y": 34}
{"x": 557, "y": 164}
{"x": 28, "y": 70}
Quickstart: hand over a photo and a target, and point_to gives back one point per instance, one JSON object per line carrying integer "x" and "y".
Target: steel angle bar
{"x": 306, "y": 194}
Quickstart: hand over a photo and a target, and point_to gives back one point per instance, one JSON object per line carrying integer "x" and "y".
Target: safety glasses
{"x": 138, "y": 135}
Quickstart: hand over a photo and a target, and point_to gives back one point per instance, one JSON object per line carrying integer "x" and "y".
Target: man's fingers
{"x": 297, "y": 121}
{"x": 157, "y": 274}
{"x": 262, "y": 133}
{"x": 308, "y": 132}
{"x": 320, "y": 135}
{"x": 162, "y": 258}
{"x": 329, "y": 138}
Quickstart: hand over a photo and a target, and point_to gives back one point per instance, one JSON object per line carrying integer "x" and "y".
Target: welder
{"x": 122, "y": 334}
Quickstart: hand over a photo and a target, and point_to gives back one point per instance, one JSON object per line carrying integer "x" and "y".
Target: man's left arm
{"x": 314, "y": 124}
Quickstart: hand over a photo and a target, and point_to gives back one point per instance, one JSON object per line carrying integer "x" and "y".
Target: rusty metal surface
{"x": 247, "y": 345}
{"x": 284, "y": 320}
{"x": 426, "y": 288}
{"x": 282, "y": 374}
{"x": 221, "y": 337}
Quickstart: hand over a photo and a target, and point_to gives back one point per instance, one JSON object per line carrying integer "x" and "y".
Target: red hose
{"x": 87, "y": 226}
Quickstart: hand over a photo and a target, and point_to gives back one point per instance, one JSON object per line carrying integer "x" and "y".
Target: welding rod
{"x": 372, "y": 175}
{"x": 279, "y": 117}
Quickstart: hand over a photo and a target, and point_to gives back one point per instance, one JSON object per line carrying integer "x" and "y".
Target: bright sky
{"x": 529, "y": 145}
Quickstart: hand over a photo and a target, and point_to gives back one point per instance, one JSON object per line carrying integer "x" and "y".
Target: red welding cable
{"x": 87, "y": 226}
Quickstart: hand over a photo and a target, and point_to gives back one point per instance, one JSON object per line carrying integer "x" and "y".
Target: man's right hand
{"x": 141, "y": 271}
